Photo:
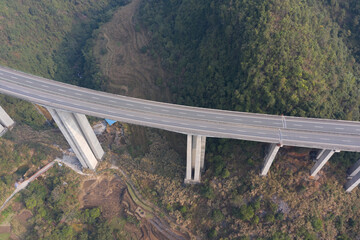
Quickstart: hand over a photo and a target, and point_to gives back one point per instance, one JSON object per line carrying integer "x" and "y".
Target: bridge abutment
{"x": 195, "y": 158}
{"x": 80, "y": 136}
{"x": 322, "y": 158}
{"x": 269, "y": 158}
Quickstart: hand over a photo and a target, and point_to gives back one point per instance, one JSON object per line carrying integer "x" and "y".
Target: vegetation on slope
{"x": 290, "y": 57}
{"x": 283, "y": 57}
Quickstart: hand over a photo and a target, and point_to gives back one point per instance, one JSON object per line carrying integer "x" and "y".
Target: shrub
{"x": 246, "y": 212}
{"x": 270, "y": 218}
{"x": 217, "y": 216}
{"x": 207, "y": 192}
{"x": 213, "y": 233}
{"x": 316, "y": 224}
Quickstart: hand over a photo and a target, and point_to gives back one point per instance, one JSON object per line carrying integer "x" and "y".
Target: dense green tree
{"x": 281, "y": 57}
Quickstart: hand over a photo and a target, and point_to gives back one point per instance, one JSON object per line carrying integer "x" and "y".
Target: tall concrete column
{"x": 195, "y": 152}
{"x": 320, "y": 153}
{"x": 89, "y": 135}
{"x": 197, "y": 159}
{"x": 5, "y": 119}
{"x": 188, "y": 176}
{"x": 355, "y": 169}
{"x": 269, "y": 158}
{"x": 322, "y": 160}
{"x": 202, "y": 158}
{"x": 5, "y": 122}
{"x": 77, "y": 131}
{"x": 351, "y": 184}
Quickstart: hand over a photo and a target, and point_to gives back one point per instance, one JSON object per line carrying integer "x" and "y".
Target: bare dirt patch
{"x": 5, "y": 229}
{"x": 112, "y": 196}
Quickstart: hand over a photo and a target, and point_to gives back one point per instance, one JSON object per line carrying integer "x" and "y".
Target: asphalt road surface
{"x": 292, "y": 131}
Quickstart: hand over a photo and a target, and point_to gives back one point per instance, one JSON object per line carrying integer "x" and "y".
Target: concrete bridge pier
{"x": 80, "y": 136}
{"x": 353, "y": 182}
{"x": 269, "y": 158}
{"x": 322, "y": 158}
{"x": 355, "y": 169}
{"x": 195, "y": 158}
{"x": 5, "y": 121}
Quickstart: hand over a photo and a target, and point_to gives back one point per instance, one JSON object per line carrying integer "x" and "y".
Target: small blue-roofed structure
{"x": 110, "y": 122}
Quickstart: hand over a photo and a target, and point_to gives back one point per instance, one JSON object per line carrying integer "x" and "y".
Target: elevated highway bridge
{"x": 68, "y": 104}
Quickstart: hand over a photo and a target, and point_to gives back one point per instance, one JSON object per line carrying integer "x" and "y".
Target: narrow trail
{"x": 156, "y": 222}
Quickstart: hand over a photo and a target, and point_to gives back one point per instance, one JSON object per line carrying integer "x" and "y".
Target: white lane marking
{"x": 298, "y": 125}
{"x": 129, "y": 104}
{"x": 28, "y": 81}
{"x": 147, "y": 107}
{"x": 61, "y": 90}
{"x": 94, "y": 97}
{"x": 318, "y": 126}
{"x": 221, "y": 128}
{"x": 112, "y": 101}
{"x": 13, "y": 77}
{"x": 339, "y": 128}
{"x": 303, "y": 137}
{"x": 148, "y": 118}
{"x": 257, "y": 121}
{"x": 78, "y": 94}
{"x": 45, "y": 86}
{"x": 200, "y": 115}
{"x": 129, "y": 115}
{"x": 357, "y": 129}
{"x": 240, "y": 130}
{"x": 1, "y": 74}
{"x": 202, "y": 126}
{"x": 219, "y": 117}
{"x": 113, "y": 112}
{"x": 325, "y": 139}
{"x": 164, "y": 110}
{"x": 165, "y": 121}
{"x": 185, "y": 124}
{"x": 346, "y": 140}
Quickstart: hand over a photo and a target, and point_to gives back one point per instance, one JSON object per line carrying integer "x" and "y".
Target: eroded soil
{"x": 120, "y": 50}
{"x": 112, "y": 196}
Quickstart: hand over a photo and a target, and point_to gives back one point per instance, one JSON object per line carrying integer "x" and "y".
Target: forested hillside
{"x": 49, "y": 38}
{"x": 267, "y": 56}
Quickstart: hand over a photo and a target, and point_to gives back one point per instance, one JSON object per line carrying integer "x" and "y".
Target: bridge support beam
{"x": 320, "y": 153}
{"x": 322, "y": 159}
{"x": 355, "y": 169}
{"x": 351, "y": 184}
{"x": 80, "y": 136}
{"x": 194, "y": 158}
{"x": 269, "y": 158}
{"x": 5, "y": 119}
